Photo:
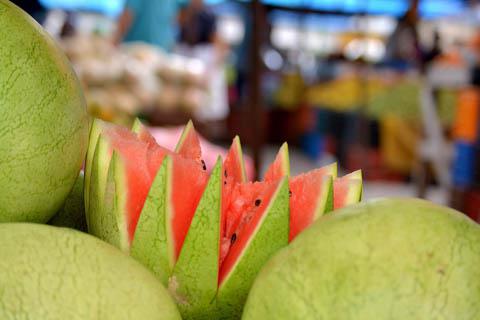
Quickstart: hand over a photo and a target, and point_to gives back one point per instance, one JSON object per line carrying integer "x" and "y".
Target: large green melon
{"x": 388, "y": 259}
{"x": 43, "y": 120}
{"x": 57, "y": 273}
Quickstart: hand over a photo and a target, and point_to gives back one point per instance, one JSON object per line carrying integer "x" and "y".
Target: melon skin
{"x": 72, "y": 214}
{"x": 387, "y": 259}
{"x": 43, "y": 122}
{"x": 57, "y": 273}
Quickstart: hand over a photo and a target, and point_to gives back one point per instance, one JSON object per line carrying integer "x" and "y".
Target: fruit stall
{"x": 104, "y": 216}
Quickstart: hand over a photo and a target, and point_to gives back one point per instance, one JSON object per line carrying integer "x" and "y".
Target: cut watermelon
{"x": 204, "y": 237}
{"x": 142, "y": 132}
{"x": 98, "y": 172}
{"x": 311, "y": 194}
{"x": 233, "y": 174}
{"x": 189, "y": 145}
{"x": 150, "y": 245}
{"x": 167, "y": 214}
{"x": 95, "y": 130}
{"x": 263, "y": 231}
{"x": 347, "y": 190}
{"x": 280, "y": 166}
{"x": 194, "y": 280}
{"x": 234, "y": 165}
{"x": 137, "y": 163}
{"x": 311, "y": 197}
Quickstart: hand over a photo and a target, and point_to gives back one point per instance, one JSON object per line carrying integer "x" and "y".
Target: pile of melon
{"x": 170, "y": 238}
{"x": 205, "y": 235}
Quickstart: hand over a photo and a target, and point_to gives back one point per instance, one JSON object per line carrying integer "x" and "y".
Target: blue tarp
{"x": 428, "y": 8}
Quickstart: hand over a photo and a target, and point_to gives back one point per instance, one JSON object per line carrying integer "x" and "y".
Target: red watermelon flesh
{"x": 237, "y": 209}
{"x": 347, "y": 189}
{"x": 189, "y": 145}
{"x": 245, "y": 211}
{"x": 134, "y": 152}
{"x": 280, "y": 166}
{"x": 142, "y": 158}
{"x": 233, "y": 164}
{"x": 234, "y": 173}
{"x": 188, "y": 182}
{"x": 306, "y": 190}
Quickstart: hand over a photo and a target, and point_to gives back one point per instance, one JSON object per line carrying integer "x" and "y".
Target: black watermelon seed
{"x": 225, "y": 182}
{"x": 204, "y": 165}
{"x": 233, "y": 239}
{"x": 225, "y": 173}
{"x": 257, "y": 202}
{"x": 290, "y": 193}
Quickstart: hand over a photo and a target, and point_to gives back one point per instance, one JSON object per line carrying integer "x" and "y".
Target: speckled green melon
{"x": 43, "y": 120}
{"x": 388, "y": 259}
{"x": 57, "y": 273}
{"x": 72, "y": 214}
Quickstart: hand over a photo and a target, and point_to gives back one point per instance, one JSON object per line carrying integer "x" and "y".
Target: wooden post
{"x": 253, "y": 114}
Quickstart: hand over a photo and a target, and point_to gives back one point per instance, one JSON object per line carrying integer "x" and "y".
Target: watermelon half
{"x": 204, "y": 236}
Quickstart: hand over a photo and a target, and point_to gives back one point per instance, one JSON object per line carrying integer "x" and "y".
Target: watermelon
{"x": 58, "y": 273}
{"x": 205, "y": 237}
{"x": 130, "y": 174}
{"x": 386, "y": 259}
{"x": 311, "y": 194}
{"x": 95, "y": 130}
{"x": 72, "y": 214}
{"x": 43, "y": 123}
{"x": 189, "y": 145}
{"x": 347, "y": 190}
{"x": 280, "y": 166}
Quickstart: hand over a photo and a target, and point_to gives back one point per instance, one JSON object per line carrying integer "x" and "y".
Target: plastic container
{"x": 463, "y": 170}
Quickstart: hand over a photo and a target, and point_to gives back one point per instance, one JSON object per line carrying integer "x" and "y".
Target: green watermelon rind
{"x": 96, "y": 191}
{"x": 355, "y": 188}
{"x": 137, "y": 126}
{"x": 238, "y": 147}
{"x": 103, "y": 220}
{"x": 271, "y": 234}
{"x": 285, "y": 159}
{"x": 195, "y": 275}
{"x": 325, "y": 199}
{"x": 186, "y": 131}
{"x": 95, "y": 131}
{"x": 149, "y": 244}
{"x": 118, "y": 216}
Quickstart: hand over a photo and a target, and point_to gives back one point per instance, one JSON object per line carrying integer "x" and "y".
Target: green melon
{"x": 57, "y": 273}
{"x": 72, "y": 214}
{"x": 43, "y": 122}
{"x": 387, "y": 259}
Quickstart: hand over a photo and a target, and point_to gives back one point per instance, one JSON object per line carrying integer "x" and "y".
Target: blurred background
{"x": 388, "y": 86}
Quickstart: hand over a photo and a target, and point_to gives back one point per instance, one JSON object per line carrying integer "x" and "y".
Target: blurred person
{"x": 403, "y": 48}
{"x": 149, "y": 21}
{"x": 435, "y": 50}
{"x": 33, "y": 8}
{"x": 198, "y": 38}
{"x": 197, "y": 24}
